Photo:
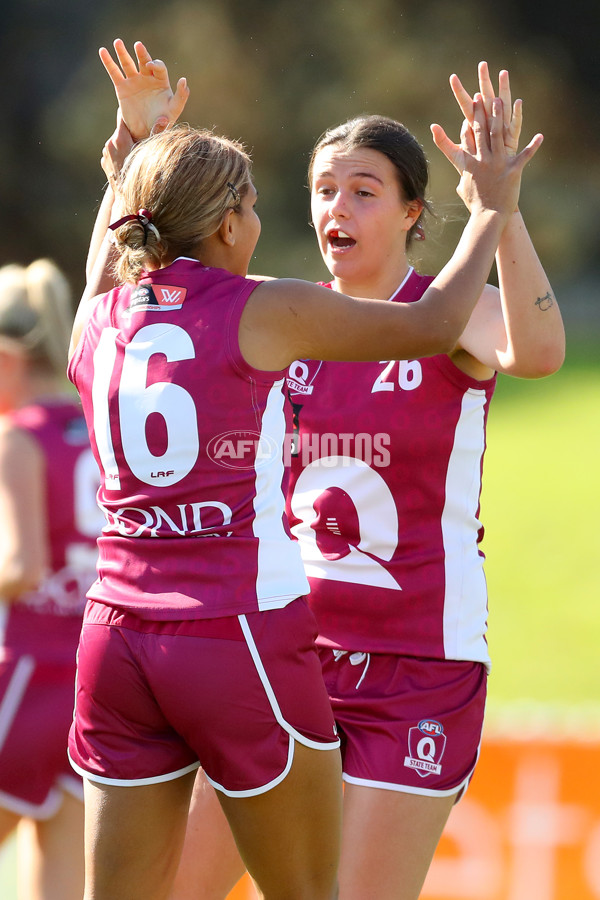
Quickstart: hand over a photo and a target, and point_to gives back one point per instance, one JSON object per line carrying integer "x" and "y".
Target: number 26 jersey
{"x": 384, "y": 500}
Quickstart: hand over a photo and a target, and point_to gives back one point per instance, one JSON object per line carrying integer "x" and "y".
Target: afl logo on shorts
{"x": 426, "y": 745}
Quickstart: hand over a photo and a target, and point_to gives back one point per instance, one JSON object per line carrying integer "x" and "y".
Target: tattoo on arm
{"x": 545, "y": 302}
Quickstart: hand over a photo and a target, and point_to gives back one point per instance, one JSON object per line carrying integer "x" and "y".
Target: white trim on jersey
{"x": 279, "y": 564}
{"x": 4, "y": 614}
{"x": 465, "y": 601}
{"x": 403, "y": 282}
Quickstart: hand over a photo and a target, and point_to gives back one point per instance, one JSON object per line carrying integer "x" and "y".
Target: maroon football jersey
{"x": 189, "y": 439}
{"x": 384, "y": 501}
{"x": 46, "y": 622}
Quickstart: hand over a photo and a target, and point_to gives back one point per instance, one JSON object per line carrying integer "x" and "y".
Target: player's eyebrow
{"x": 359, "y": 174}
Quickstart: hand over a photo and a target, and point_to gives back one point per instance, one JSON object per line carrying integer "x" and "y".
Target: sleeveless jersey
{"x": 189, "y": 440}
{"x": 384, "y": 501}
{"x": 46, "y": 622}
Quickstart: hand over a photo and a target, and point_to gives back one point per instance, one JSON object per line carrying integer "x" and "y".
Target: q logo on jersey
{"x": 426, "y": 745}
{"x": 301, "y": 375}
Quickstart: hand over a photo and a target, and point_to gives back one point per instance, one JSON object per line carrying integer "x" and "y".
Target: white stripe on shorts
{"x": 14, "y": 694}
{"x": 316, "y": 745}
{"x": 131, "y": 782}
{"x": 406, "y": 789}
{"x": 41, "y": 812}
{"x": 254, "y": 792}
{"x": 291, "y": 731}
{"x": 459, "y": 790}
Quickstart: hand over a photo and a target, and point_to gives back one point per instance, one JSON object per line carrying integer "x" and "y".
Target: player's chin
{"x": 341, "y": 264}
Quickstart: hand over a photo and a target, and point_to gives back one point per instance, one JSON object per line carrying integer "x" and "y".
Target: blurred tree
{"x": 276, "y": 74}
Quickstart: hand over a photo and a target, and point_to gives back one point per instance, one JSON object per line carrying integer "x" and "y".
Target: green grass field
{"x": 540, "y": 504}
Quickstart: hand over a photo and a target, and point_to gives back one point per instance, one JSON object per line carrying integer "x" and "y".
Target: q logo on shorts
{"x": 426, "y": 745}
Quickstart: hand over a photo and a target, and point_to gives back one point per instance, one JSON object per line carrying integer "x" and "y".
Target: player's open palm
{"x": 512, "y": 112}
{"x": 143, "y": 89}
{"x": 490, "y": 173}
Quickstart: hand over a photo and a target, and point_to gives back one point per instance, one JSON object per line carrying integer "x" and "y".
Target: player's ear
{"x": 227, "y": 230}
{"x": 413, "y": 210}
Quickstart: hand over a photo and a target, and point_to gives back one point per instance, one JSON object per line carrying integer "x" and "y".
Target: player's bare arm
{"x": 517, "y": 329}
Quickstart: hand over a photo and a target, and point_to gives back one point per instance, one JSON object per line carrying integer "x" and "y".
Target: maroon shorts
{"x": 36, "y": 710}
{"x": 406, "y": 724}
{"x": 157, "y": 699}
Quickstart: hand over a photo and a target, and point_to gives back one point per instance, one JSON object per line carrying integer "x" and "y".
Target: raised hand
{"x": 512, "y": 115}
{"x": 143, "y": 89}
{"x": 490, "y": 172}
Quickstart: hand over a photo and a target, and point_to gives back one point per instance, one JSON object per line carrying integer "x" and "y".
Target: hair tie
{"x": 143, "y": 217}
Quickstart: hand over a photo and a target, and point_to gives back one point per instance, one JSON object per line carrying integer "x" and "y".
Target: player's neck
{"x": 378, "y": 288}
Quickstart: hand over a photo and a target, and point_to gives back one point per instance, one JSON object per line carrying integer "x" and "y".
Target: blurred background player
{"x": 50, "y": 521}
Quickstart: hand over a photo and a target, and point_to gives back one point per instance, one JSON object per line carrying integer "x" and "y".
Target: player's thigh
{"x": 389, "y": 838}
{"x": 289, "y": 837}
{"x": 133, "y": 838}
{"x": 50, "y": 854}
{"x": 210, "y": 864}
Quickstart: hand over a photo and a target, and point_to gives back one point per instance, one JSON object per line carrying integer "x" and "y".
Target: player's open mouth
{"x": 339, "y": 240}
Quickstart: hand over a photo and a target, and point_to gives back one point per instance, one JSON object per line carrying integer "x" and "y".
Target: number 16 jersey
{"x": 189, "y": 441}
{"x": 384, "y": 500}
